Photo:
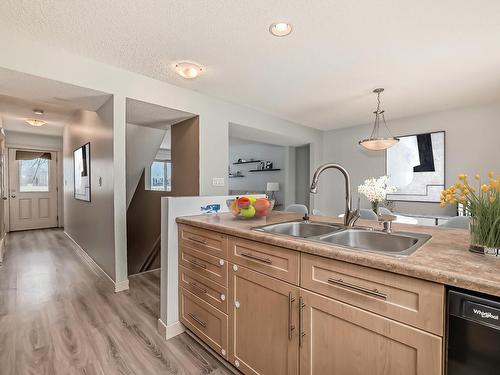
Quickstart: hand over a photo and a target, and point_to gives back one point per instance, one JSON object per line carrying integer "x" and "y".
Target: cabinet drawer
{"x": 207, "y": 290}
{"x": 212, "y": 243}
{"x": 270, "y": 260}
{"x": 208, "y": 323}
{"x": 416, "y": 302}
{"x": 205, "y": 265}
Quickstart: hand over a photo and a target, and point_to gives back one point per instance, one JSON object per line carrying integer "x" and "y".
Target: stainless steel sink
{"x": 304, "y": 229}
{"x": 392, "y": 244}
{"x": 400, "y": 243}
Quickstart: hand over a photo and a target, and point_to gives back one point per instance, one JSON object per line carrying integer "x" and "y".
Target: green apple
{"x": 247, "y": 212}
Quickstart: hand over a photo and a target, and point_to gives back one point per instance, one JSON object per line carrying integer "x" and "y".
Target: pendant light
{"x": 375, "y": 142}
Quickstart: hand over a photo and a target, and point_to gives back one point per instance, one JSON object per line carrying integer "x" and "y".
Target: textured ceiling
{"x": 429, "y": 55}
{"x": 21, "y": 93}
{"x": 152, "y": 115}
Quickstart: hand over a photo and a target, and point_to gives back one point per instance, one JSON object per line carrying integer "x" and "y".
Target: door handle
{"x": 12, "y": 196}
{"x": 302, "y": 333}
{"x": 4, "y": 198}
{"x": 291, "y": 327}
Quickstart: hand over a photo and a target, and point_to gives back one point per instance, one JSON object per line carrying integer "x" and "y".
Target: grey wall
{"x": 91, "y": 224}
{"x": 472, "y": 146}
{"x": 257, "y": 181}
{"x": 302, "y": 175}
{"x": 32, "y": 139}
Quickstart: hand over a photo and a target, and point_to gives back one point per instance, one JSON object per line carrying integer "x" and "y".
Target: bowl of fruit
{"x": 250, "y": 207}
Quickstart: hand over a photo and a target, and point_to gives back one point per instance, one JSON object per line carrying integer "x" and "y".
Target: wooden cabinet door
{"x": 263, "y": 328}
{"x": 340, "y": 339}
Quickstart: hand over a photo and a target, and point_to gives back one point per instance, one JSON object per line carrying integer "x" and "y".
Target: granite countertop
{"x": 444, "y": 259}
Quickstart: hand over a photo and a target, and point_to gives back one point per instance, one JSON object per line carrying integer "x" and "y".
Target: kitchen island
{"x": 272, "y": 304}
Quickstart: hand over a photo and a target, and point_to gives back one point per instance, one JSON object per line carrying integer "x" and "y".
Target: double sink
{"x": 362, "y": 239}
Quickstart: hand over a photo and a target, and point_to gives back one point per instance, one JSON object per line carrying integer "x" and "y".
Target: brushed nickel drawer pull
{"x": 373, "y": 292}
{"x": 198, "y": 320}
{"x": 195, "y": 263}
{"x": 198, "y": 288}
{"x": 291, "y": 327}
{"x": 203, "y": 242}
{"x": 256, "y": 257}
{"x": 301, "y": 321}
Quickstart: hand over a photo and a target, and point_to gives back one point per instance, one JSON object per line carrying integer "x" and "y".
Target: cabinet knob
{"x": 237, "y": 363}
{"x": 221, "y": 262}
{"x": 235, "y": 267}
{"x": 222, "y": 297}
{"x": 223, "y": 351}
{"x": 236, "y": 304}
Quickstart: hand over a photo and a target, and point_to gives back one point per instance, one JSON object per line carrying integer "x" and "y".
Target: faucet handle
{"x": 386, "y": 221}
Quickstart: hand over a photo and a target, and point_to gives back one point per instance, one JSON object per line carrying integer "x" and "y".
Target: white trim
{"x": 117, "y": 287}
{"x": 171, "y": 330}
{"x": 121, "y": 286}
{"x": 2, "y": 248}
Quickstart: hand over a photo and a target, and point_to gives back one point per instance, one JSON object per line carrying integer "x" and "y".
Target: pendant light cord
{"x": 376, "y": 125}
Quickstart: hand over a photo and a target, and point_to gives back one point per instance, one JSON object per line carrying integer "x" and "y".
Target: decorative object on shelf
{"x": 250, "y": 207}
{"x": 482, "y": 204}
{"x": 271, "y": 189}
{"x": 262, "y": 165}
{"x": 269, "y": 165}
{"x": 81, "y": 164}
{"x": 376, "y": 190}
{"x": 376, "y": 142}
{"x": 416, "y": 166}
{"x": 237, "y": 174}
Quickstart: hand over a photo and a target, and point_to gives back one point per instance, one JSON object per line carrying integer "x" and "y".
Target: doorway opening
{"x": 33, "y": 189}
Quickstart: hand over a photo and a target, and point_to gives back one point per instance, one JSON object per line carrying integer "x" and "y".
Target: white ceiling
{"x": 21, "y": 93}
{"x": 154, "y": 116}
{"x": 429, "y": 55}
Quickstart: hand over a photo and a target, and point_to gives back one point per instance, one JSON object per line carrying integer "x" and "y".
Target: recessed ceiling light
{"x": 188, "y": 70}
{"x": 35, "y": 122}
{"x": 280, "y": 29}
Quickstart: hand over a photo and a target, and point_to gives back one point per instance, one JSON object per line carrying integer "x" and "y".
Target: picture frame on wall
{"x": 416, "y": 166}
{"x": 81, "y": 164}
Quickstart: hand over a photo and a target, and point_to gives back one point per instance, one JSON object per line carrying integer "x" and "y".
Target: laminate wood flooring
{"x": 58, "y": 316}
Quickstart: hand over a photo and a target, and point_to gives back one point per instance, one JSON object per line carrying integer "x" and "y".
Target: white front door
{"x": 32, "y": 189}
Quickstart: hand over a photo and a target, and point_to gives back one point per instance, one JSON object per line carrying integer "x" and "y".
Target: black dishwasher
{"x": 473, "y": 334}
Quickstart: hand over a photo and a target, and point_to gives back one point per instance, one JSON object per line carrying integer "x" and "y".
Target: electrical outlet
{"x": 218, "y": 181}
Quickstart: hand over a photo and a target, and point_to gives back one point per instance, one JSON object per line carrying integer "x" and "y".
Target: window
{"x": 34, "y": 175}
{"x": 161, "y": 175}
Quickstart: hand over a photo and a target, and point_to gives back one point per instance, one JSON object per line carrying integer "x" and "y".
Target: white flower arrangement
{"x": 376, "y": 189}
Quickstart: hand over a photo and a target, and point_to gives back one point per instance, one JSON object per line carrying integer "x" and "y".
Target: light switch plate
{"x": 218, "y": 181}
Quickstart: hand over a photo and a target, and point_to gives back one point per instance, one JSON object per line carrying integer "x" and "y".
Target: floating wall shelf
{"x": 265, "y": 170}
{"x": 246, "y": 162}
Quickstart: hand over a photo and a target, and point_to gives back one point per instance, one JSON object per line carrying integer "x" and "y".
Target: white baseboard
{"x": 121, "y": 286}
{"x": 2, "y": 248}
{"x": 169, "y": 331}
{"x": 117, "y": 287}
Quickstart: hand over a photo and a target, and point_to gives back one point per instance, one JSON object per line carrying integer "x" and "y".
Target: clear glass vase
{"x": 477, "y": 239}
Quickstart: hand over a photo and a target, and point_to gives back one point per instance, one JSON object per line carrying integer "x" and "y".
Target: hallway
{"x": 59, "y": 317}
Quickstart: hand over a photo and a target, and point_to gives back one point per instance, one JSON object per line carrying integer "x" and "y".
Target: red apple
{"x": 244, "y": 202}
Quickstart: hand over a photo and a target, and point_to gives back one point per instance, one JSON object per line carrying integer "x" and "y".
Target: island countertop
{"x": 444, "y": 259}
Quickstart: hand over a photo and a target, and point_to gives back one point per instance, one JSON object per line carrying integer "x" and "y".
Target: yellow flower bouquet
{"x": 482, "y": 204}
